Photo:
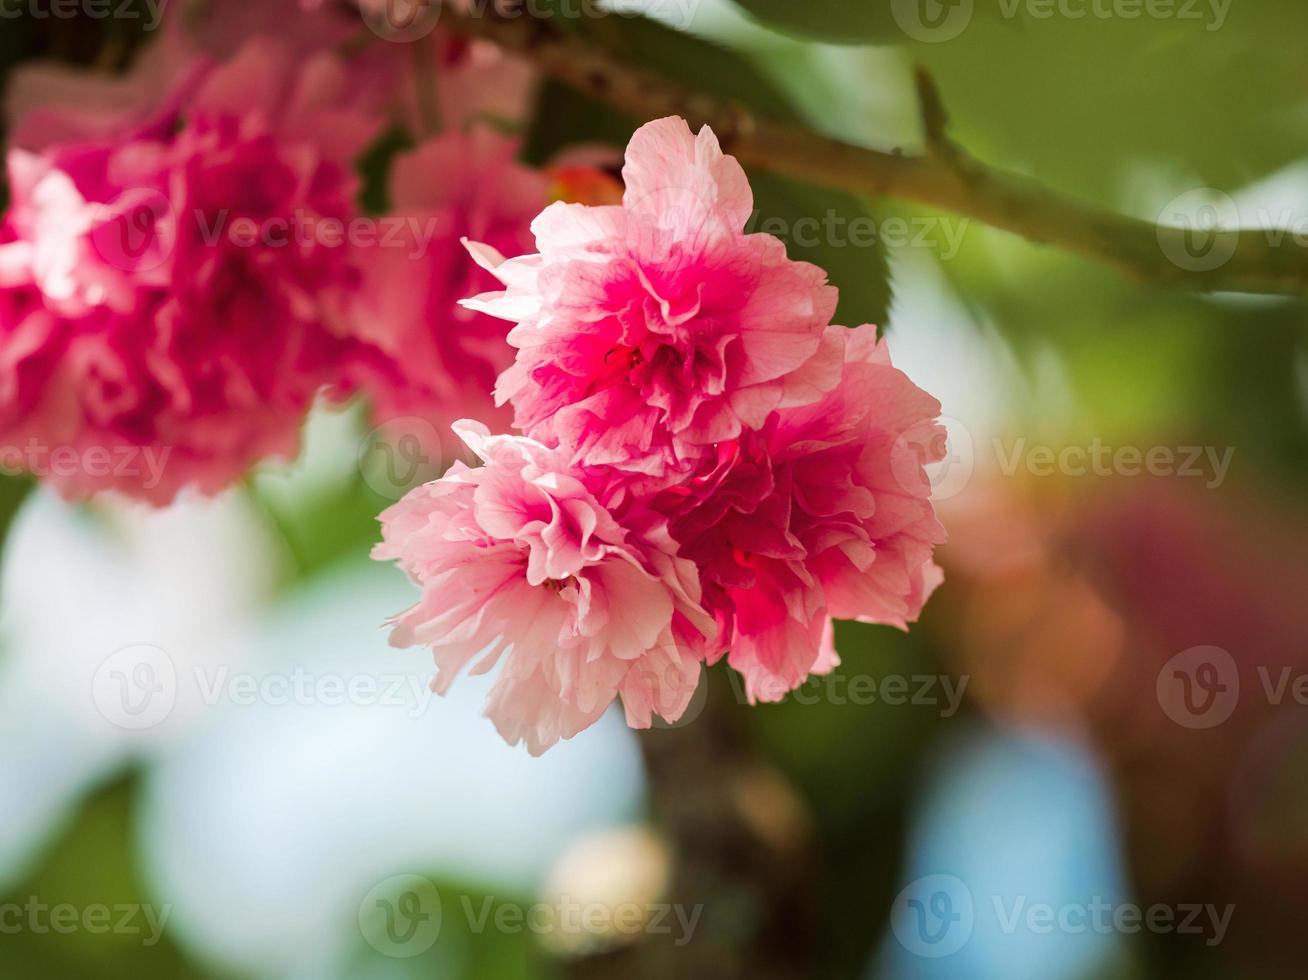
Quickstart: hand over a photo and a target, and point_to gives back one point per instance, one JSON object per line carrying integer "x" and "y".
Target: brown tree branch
{"x": 944, "y": 176}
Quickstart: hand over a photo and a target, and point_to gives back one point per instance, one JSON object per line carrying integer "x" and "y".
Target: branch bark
{"x": 944, "y": 176}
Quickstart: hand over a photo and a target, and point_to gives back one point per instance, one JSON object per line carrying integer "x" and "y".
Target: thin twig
{"x": 944, "y": 177}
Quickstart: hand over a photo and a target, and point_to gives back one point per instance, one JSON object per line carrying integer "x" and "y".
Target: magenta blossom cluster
{"x": 180, "y": 273}
{"x": 708, "y": 466}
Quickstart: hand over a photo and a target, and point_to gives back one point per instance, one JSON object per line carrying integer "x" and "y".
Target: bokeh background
{"x": 1101, "y": 708}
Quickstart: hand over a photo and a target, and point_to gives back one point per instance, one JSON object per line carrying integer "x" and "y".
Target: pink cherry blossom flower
{"x": 648, "y": 332}
{"x": 823, "y": 512}
{"x": 152, "y": 296}
{"x": 522, "y": 565}
{"x": 441, "y": 360}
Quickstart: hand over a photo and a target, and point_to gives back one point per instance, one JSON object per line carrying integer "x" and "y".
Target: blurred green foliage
{"x": 92, "y": 862}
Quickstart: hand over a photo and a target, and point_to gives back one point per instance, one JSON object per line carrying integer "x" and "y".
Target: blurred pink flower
{"x": 156, "y": 295}
{"x": 50, "y": 103}
{"x": 441, "y": 360}
{"x": 520, "y": 560}
{"x": 648, "y": 332}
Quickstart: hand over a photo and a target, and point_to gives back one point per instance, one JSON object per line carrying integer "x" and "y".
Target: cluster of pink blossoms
{"x": 179, "y": 269}
{"x": 708, "y": 465}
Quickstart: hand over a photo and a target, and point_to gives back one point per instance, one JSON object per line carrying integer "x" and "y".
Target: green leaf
{"x": 834, "y": 231}
{"x": 374, "y": 168}
{"x": 837, "y": 21}
{"x": 693, "y": 63}
{"x": 1213, "y": 92}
